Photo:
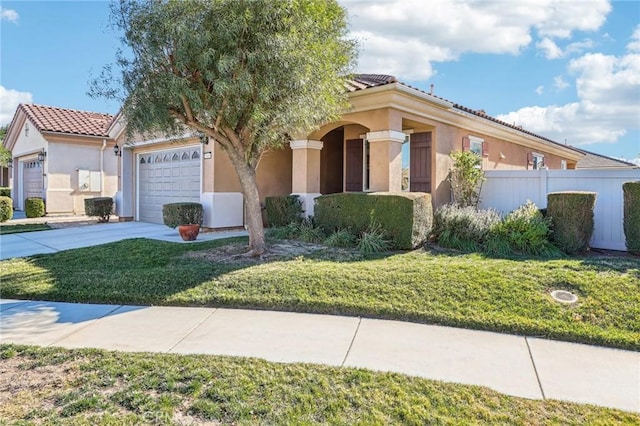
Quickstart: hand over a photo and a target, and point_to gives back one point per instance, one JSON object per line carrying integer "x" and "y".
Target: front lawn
{"x": 25, "y": 227}
{"x": 92, "y": 387}
{"x": 465, "y": 290}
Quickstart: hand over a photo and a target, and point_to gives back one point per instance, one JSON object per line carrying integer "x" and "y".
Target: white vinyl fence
{"x": 505, "y": 191}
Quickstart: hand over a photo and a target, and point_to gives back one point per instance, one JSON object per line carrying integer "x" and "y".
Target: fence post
{"x": 543, "y": 183}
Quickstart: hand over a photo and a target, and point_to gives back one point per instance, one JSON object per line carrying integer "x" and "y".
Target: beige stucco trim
{"x": 306, "y": 144}
{"x": 386, "y": 136}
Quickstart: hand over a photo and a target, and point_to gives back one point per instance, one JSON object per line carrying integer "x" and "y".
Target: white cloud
{"x": 635, "y": 161}
{"x": 9, "y": 15}
{"x": 9, "y": 100}
{"x": 559, "y": 83}
{"x": 404, "y": 37}
{"x": 551, "y": 50}
{"x": 634, "y": 44}
{"x": 540, "y": 90}
{"x": 607, "y": 88}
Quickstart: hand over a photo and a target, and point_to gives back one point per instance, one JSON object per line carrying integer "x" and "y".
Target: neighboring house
{"x": 395, "y": 138}
{"x": 62, "y": 156}
{"x": 591, "y": 160}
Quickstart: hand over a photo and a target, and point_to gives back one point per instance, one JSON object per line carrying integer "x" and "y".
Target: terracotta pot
{"x": 189, "y": 232}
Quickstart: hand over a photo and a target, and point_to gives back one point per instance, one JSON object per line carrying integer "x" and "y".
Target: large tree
{"x": 250, "y": 74}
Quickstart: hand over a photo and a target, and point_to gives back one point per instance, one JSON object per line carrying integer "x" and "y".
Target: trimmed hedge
{"x": 5, "y": 191}
{"x": 631, "y": 192}
{"x": 283, "y": 210}
{"x": 571, "y": 214}
{"x": 405, "y": 218}
{"x": 6, "y": 208}
{"x": 100, "y": 207}
{"x": 176, "y": 214}
{"x": 34, "y": 207}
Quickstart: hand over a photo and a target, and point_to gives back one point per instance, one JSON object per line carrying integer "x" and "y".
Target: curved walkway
{"x": 515, "y": 365}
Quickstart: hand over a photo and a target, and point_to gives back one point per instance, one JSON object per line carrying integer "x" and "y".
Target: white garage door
{"x": 32, "y": 180}
{"x": 168, "y": 176}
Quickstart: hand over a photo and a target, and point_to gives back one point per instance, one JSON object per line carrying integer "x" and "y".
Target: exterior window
{"x": 563, "y": 164}
{"x": 476, "y": 146}
{"x": 538, "y": 161}
{"x": 406, "y": 162}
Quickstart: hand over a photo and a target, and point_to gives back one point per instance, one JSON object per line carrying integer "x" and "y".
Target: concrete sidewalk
{"x": 39, "y": 242}
{"x": 515, "y": 365}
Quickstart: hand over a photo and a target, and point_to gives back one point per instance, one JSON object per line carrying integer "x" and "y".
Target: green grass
{"x": 465, "y": 290}
{"x": 25, "y": 227}
{"x": 92, "y": 387}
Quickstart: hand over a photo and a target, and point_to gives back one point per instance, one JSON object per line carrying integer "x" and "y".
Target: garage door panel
{"x": 32, "y": 179}
{"x": 167, "y": 176}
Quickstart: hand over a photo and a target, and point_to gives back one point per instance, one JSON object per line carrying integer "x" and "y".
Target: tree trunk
{"x": 247, "y": 176}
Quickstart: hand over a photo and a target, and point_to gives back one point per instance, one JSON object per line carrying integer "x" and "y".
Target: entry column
{"x": 385, "y": 160}
{"x": 306, "y": 172}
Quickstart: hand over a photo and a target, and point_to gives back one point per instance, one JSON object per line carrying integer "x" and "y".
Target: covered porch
{"x": 374, "y": 151}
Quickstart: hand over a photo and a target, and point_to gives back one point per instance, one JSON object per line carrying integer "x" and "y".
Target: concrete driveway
{"x": 29, "y": 243}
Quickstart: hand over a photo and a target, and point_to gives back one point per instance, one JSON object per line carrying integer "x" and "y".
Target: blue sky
{"x": 564, "y": 69}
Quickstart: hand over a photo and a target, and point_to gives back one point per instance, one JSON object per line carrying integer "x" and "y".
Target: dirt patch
{"x": 236, "y": 253}
{"x": 23, "y": 389}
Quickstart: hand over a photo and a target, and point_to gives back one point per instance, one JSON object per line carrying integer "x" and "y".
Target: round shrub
{"x": 100, "y": 207}
{"x": 524, "y": 231}
{"x": 176, "y": 214}
{"x": 34, "y": 207}
{"x": 631, "y": 191}
{"x": 283, "y": 210}
{"x": 571, "y": 215}
{"x": 5, "y": 191}
{"x": 6, "y": 208}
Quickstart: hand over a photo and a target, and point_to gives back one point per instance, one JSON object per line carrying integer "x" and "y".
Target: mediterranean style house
{"x": 394, "y": 138}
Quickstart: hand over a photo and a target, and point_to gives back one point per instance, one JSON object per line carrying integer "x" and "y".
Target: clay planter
{"x": 189, "y": 232}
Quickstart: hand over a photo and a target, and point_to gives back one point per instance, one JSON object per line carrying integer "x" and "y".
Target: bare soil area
{"x": 236, "y": 253}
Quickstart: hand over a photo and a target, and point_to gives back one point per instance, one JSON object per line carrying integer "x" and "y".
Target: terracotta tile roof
{"x": 366, "y": 81}
{"x": 62, "y": 120}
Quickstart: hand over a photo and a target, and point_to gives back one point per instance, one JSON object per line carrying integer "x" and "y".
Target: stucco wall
{"x": 28, "y": 144}
{"x": 273, "y": 174}
{"x": 64, "y": 159}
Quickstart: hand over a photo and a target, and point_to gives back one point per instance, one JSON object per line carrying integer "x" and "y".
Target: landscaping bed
{"x": 94, "y": 387}
{"x": 429, "y": 286}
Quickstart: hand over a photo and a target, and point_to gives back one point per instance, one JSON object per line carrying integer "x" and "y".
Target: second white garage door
{"x": 168, "y": 176}
{"x": 32, "y": 179}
